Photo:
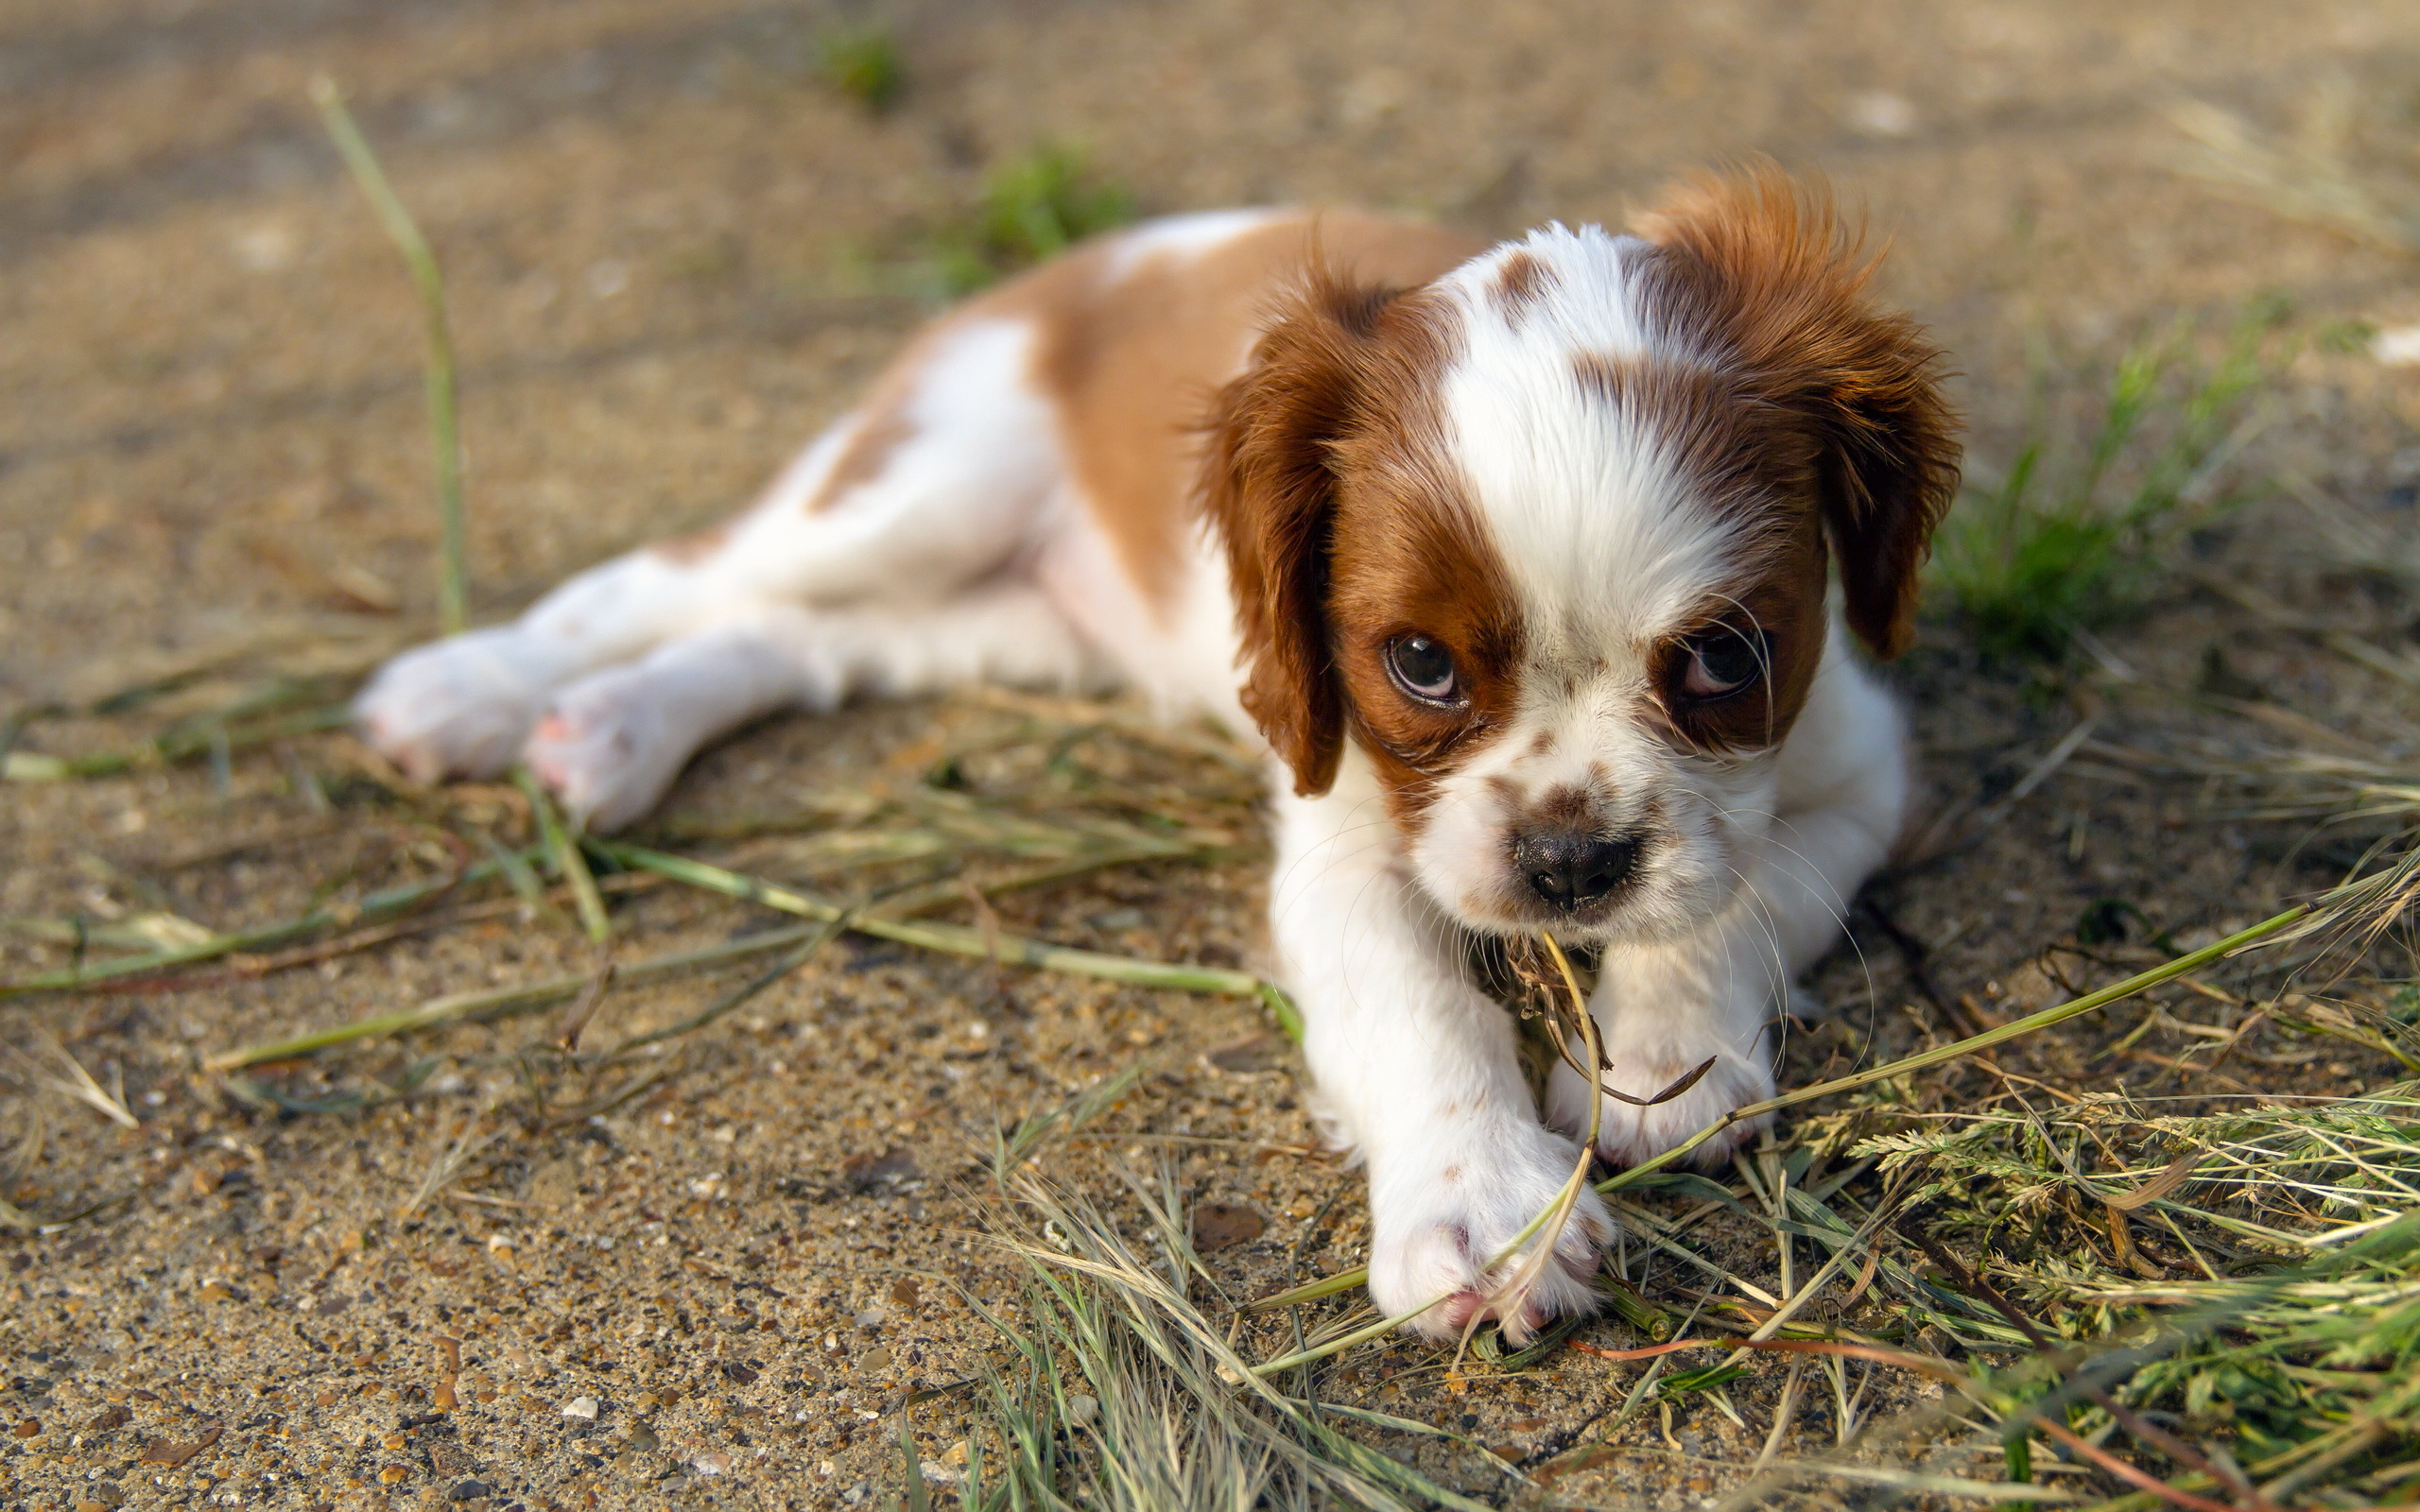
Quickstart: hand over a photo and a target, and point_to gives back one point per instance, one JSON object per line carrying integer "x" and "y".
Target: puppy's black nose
{"x": 1570, "y": 870}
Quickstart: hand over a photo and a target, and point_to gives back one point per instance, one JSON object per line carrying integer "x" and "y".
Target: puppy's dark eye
{"x": 1723, "y": 661}
{"x": 1423, "y": 669}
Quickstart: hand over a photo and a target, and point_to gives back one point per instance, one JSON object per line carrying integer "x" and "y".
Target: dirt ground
{"x": 665, "y": 243}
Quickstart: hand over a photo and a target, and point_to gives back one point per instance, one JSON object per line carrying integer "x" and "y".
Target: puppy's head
{"x": 1547, "y": 539}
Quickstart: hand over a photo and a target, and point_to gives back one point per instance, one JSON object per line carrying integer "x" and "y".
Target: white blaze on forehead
{"x": 1604, "y": 538}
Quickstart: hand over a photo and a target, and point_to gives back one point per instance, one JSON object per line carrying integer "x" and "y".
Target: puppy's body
{"x": 1521, "y": 552}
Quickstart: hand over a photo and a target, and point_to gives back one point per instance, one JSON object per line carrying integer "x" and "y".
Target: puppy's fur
{"x": 1516, "y": 556}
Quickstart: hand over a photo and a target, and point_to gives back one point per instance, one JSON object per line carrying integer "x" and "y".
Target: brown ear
{"x": 1269, "y": 489}
{"x": 1767, "y": 262}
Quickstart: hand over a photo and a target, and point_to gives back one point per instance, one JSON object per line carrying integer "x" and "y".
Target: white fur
{"x": 971, "y": 555}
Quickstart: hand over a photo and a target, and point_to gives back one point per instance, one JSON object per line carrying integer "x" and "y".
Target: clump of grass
{"x": 2292, "y": 1367}
{"x": 2069, "y": 543}
{"x": 1032, "y": 208}
{"x": 863, "y": 63}
{"x": 1118, "y": 1391}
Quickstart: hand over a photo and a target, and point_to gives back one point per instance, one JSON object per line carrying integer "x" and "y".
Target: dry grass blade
{"x": 954, "y": 940}
{"x": 443, "y": 426}
{"x": 563, "y": 850}
{"x": 76, "y": 1084}
{"x": 446, "y": 1169}
{"x": 2311, "y": 178}
{"x": 499, "y": 1002}
{"x": 377, "y": 905}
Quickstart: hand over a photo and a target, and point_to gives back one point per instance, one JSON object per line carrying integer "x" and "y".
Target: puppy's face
{"x": 1548, "y": 540}
{"x": 1570, "y": 654}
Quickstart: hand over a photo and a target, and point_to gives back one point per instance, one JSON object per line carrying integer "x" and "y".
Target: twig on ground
{"x": 446, "y": 1169}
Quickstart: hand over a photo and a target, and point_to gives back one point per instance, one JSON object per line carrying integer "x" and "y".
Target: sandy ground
{"x": 666, "y": 245}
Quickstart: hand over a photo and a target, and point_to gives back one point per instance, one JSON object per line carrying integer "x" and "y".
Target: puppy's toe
{"x": 1439, "y": 1240}
{"x": 605, "y": 749}
{"x": 457, "y": 708}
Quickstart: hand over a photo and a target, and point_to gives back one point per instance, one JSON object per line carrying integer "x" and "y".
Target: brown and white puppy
{"x": 1517, "y": 558}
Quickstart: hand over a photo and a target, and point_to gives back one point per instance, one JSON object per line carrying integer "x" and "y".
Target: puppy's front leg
{"x": 1416, "y": 1069}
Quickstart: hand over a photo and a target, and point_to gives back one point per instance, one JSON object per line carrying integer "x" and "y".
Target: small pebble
{"x": 1081, "y": 1411}
{"x": 581, "y": 1407}
{"x": 468, "y": 1490}
{"x": 870, "y": 1318}
{"x": 874, "y": 1360}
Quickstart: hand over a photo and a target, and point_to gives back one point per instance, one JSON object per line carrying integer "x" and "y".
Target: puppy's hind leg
{"x": 613, "y": 742}
{"x": 936, "y": 484}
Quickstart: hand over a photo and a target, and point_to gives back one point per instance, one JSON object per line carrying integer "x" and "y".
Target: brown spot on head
{"x": 1762, "y": 271}
{"x": 1521, "y": 281}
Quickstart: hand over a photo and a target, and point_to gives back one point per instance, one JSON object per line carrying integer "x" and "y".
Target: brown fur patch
{"x": 1341, "y": 528}
{"x": 1134, "y": 359}
{"x": 1756, "y": 465}
{"x": 881, "y": 430}
{"x": 1768, "y": 269}
{"x": 698, "y": 545}
{"x": 1410, "y": 556}
{"x": 1521, "y": 282}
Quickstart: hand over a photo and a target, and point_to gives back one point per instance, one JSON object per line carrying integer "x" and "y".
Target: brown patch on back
{"x": 1764, "y": 271}
{"x": 1521, "y": 281}
{"x": 1135, "y": 358}
{"x": 879, "y": 427}
{"x": 698, "y": 545}
{"x": 882, "y": 428}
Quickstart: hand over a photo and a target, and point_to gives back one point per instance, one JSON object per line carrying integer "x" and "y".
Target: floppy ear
{"x": 1768, "y": 262}
{"x": 1269, "y": 489}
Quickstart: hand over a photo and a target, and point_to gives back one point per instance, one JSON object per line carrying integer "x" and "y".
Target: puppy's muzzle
{"x": 1569, "y": 870}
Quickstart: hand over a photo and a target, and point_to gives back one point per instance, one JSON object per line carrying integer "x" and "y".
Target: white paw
{"x": 608, "y": 748}
{"x": 1629, "y": 1135}
{"x": 1442, "y": 1213}
{"x": 458, "y": 707}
